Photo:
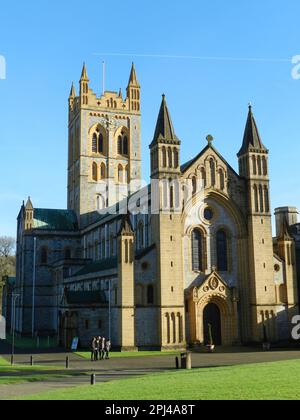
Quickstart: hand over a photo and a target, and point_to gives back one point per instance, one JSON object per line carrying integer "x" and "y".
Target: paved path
{"x": 120, "y": 368}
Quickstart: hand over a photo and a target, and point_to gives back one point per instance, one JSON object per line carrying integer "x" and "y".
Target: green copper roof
{"x": 48, "y": 219}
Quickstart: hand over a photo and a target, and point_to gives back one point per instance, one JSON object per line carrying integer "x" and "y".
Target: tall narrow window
{"x": 222, "y": 251}
{"x": 197, "y": 250}
{"x": 101, "y": 143}
{"x": 103, "y": 171}
{"x": 164, "y": 157}
{"x": 194, "y": 185}
{"x": 170, "y": 157}
{"x": 267, "y": 201}
{"x": 67, "y": 254}
{"x": 203, "y": 177}
{"x": 221, "y": 179}
{"x": 95, "y": 172}
{"x": 120, "y": 148}
{"x": 127, "y": 174}
{"x": 125, "y": 146}
{"x": 261, "y": 199}
{"x": 120, "y": 174}
{"x": 265, "y": 166}
{"x": 94, "y": 143}
{"x": 254, "y": 167}
{"x": 176, "y": 159}
{"x": 212, "y": 173}
{"x": 256, "y": 198}
{"x": 259, "y": 165}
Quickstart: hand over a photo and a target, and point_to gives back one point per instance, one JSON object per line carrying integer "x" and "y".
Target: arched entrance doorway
{"x": 212, "y": 316}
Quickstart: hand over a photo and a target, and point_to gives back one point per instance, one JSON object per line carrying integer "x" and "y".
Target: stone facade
{"x": 195, "y": 248}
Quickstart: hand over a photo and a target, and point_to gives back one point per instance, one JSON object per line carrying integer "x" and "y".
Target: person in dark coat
{"x": 93, "y": 349}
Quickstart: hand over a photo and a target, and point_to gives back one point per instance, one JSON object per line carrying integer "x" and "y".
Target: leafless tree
{"x": 7, "y": 261}
{"x": 7, "y": 246}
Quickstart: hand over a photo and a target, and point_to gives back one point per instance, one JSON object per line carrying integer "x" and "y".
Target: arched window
{"x": 222, "y": 251}
{"x": 194, "y": 185}
{"x": 120, "y": 148}
{"x": 171, "y": 196}
{"x": 267, "y": 201}
{"x": 170, "y": 157}
{"x": 125, "y": 146}
{"x": 176, "y": 159}
{"x": 261, "y": 199}
{"x": 164, "y": 157}
{"x": 44, "y": 255}
{"x": 127, "y": 174}
{"x": 203, "y": 177}
{"x": 150, "y": 295}
{"x": 265, "y": 166}
{"x": 95, "y": 143}
{"x": 95, "y": 172}
{"x": 254, "y": 167}
{"x": 197, "y": 250}
{"x": 103, "y": 171}
{"x": 259, "y": 165}
{"x": 221, "y": 179}
{"x": 141, "y": 235}
{"x": 256, "y": 198}
{"x": 212, "y": 173}
{"x": 100, "y": 202}
{"x": 120, "y": 174}
{"x": 67, "y": 254}
{"x": 101, "y": 143}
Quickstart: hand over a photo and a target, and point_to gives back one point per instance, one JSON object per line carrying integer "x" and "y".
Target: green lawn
{"x": 270, "y": 381}
{"x": 19, "y": 374}
{"x": 87, "y": 354}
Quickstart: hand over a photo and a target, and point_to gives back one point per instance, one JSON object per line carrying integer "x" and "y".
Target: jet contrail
{"x": 196, "y": 57}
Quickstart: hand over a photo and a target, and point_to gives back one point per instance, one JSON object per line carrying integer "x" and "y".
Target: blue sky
{"x": 248, "y": 48}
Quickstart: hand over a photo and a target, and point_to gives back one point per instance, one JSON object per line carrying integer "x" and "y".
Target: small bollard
{"x": 67, "y": 362}
{"x": 189, "y": 361}
{"x": 31, "y": 361}
{"x": 177, "y": 362}
{"x": 12, "y": 360}
{"x": 93, "y": 380}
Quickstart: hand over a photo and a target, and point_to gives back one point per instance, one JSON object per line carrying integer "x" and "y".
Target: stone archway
{"x": 212, "y": 317}
{"x": 216, "y": 303}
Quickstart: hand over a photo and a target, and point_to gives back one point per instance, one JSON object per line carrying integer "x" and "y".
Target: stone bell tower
{"x": 166, "y": 230}
{"x": 253, "y": 162}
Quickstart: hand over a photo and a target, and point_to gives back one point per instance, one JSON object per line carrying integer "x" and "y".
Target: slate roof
{"x": 60, "y": 220}
{"x": 164, "y": 130}
{"x": 98, "y": 266}
{"x": 85, "y": 297}
{"x": 252, "y": 140}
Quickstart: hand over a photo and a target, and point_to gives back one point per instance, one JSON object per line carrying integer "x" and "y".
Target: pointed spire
{"x": 285, "y": 231}
{"x": 120, "y": 93}
{"x": 252, "y": 140}
{"x": 84, "y": 76}
{"x": 72, "y": 92}
{"x": 29, "y": 205}
{"x": 133, "y": 81}
{"x": 126, "y": 228}
{"x": 164, "y": 127}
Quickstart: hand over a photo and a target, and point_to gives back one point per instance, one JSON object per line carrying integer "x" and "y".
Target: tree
{"x": 7, "y": 261}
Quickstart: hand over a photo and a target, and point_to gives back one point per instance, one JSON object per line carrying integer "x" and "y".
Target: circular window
{"x": 208, "y": 214}
{"x": 277, "y": 268}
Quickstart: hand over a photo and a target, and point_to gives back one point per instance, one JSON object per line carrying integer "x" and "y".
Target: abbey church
{"x": 152, "y": 266}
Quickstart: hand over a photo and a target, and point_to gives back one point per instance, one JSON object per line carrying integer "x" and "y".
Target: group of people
{"x": 100, "y": 349}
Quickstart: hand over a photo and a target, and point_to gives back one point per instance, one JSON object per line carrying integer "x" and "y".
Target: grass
{"x": 268, "y": 381}
{"x": 10, "y": 375}
{"x": 114, "y": 355}
{"x": 32, "y": 343}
